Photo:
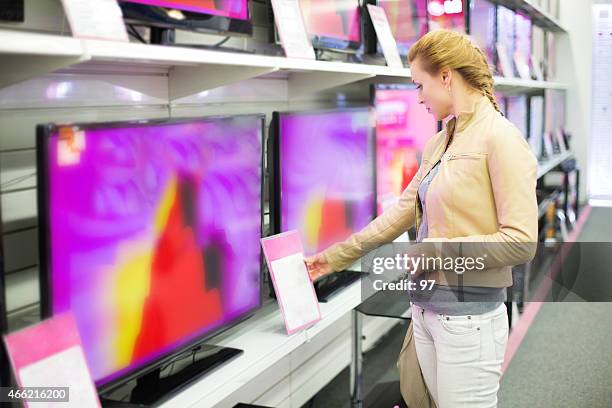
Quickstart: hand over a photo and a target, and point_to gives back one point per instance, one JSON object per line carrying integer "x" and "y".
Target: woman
{"x": 475, "y": 190}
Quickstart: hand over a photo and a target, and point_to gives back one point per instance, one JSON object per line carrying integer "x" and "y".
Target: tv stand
{"x": 330, "y": 285}
{"x": 160, "y": 384}
{"x": 167, "y": 37}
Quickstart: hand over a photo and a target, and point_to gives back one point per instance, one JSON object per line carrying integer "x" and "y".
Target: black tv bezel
{"x": 43, "y": 134}
{"x": 274, "y": 161}
{"x": 142, "y": 14}
{"x": 371, "y": 45}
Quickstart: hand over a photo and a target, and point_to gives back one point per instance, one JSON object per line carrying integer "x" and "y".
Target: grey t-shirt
{"x": 444, "y": 299}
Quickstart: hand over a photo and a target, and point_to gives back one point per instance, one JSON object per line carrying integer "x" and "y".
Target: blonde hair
{"x": 441, "y": 49}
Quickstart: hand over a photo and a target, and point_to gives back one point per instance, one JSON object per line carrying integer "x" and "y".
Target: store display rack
{"x": 539, "y": 16}
{"x": 191, "y": 71}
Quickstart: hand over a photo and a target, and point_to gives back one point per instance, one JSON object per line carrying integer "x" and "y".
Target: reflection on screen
{"x": 446, "y": 14}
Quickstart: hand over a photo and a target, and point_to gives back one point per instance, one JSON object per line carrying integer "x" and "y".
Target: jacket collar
{"x": 460, "y": 122}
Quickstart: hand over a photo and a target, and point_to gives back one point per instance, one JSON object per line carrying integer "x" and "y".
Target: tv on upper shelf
{"x": 215, "y": 16}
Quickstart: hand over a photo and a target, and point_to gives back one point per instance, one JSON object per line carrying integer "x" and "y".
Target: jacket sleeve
{"x": 513, "y": 172}
{"x": 385, "y": 228}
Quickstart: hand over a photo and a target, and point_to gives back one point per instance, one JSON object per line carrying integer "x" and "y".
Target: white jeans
{"x": 461, "y": 356}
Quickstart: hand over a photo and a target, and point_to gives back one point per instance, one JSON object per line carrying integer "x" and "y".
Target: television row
{"x": 541, "y": 118}
{"x": 344, "y": 25}
{"x": 150, "y": 230}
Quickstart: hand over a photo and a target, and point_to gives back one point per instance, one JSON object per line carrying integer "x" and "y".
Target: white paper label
{"x": 385, "y": 36}
{"x": 64, "y": 369}
{"x": 295, "y": 291}
{"x": 291, "y": 29}
{"x": 95, "y": 19}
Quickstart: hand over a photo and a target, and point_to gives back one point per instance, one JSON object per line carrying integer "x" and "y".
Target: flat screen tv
{"x": 517, "y": 112}
{"x": 403, "y": 127}
{"x": 333, "y": 24}
{"x": 219, "y": 16}
{"x": 408, "y": 22}
{"x": 323, "y": 183}
{"x": 149, "y": 234}
{"x": 446, "y": 14}
{"x": 536, "y": 124}
{"x": 506, "y": 32}
{"x": 555, "y": 110}
{"x": 523, "y": 37}
{"x": 483, "y": 17}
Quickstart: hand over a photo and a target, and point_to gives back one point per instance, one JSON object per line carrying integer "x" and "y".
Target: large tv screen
{"x": 408, "y": 21}
{"x": 333, "y": 24}
{"x": 483, "y": 17}
{"x": 324, "y": 181}
{"x": 446, "y": 14}
{"x": 150, "y": 234}
{"x": 403, "y": 127}
{"x": 225, "y": 16}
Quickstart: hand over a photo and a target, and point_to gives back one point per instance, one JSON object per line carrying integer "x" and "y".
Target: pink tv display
{"x": 151, "y": 233}
{"x": 408, "y": 21}
{"x": 326, "y": 170}
{"x": 238, "y": 9}
{"x": 402, "y": 130}
{"x": 334, "y": 24}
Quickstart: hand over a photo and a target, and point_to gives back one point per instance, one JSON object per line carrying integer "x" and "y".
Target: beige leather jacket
{"x": 484, "y": 194}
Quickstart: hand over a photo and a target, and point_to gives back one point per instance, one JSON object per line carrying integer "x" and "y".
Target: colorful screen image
{"x": 517, "y": 112}
{"x": 523, "y": 36}
{"x": 403, "y": 127}
{"x": 153, "y": 234}
{"x": 333, "y": 19}
{"x": 326, "y": 175}
{"x": 408, "y": 21}
{"x": 506, "y": 31}
{"x": 238, "y": 9}
{"x": 482, "y": 26}
{"x": 446, "y": 14}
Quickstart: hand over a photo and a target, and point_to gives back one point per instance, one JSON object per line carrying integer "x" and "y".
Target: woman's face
{"x": 433, "y": 90}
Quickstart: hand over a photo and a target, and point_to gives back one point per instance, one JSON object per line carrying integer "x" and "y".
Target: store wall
{"x": 574, "y": 67}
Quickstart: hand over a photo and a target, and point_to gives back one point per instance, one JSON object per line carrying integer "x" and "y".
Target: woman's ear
{"x": 447, "y": 76}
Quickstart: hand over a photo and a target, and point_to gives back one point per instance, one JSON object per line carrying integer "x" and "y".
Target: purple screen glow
{"x": 238, "y": 9}
{"x": 326, "y": 175}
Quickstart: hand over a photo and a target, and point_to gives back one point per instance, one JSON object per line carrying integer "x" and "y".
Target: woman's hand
{"x": 318, "y": 266}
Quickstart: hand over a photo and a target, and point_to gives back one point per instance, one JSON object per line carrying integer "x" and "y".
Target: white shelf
{"x": 521, "y": 85}
{"x": 192, "y": 70}
{"x": 265, "y": 342}
{"x": 27, "y": 55}
{"x": 550, "y": 164}
{"x": 539, "y": 16}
